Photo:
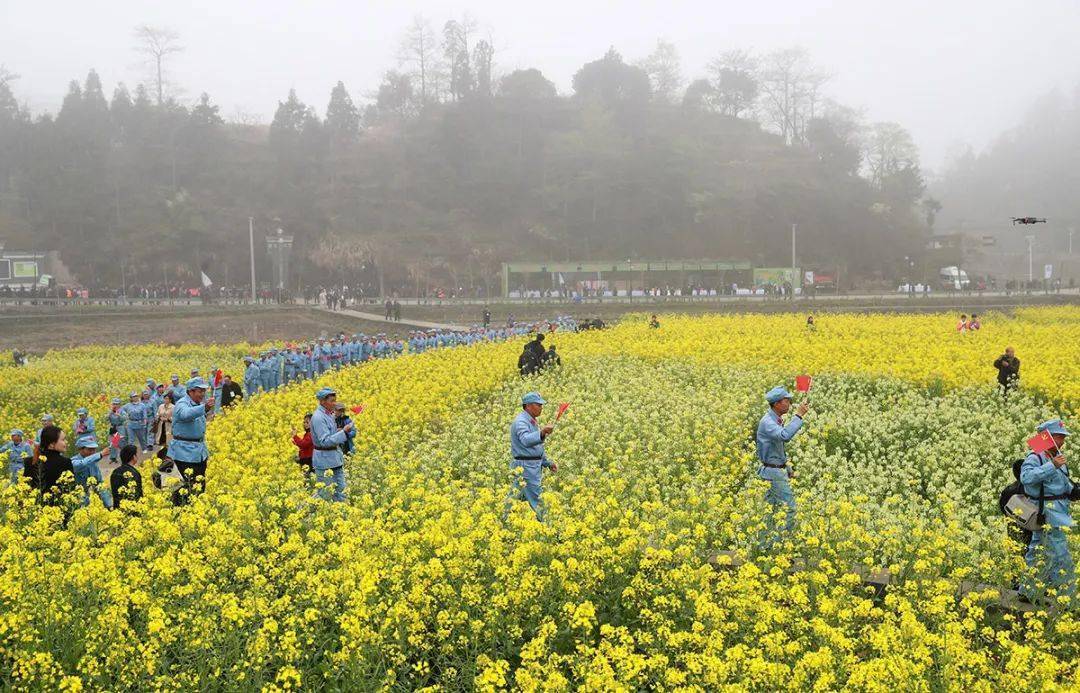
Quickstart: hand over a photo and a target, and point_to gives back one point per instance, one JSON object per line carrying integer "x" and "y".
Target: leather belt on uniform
{"x": 326, "y": 449}
{"x": 533, "y": 457}
{"x": 774, "y": 466}
{"x": 188, "y": 440}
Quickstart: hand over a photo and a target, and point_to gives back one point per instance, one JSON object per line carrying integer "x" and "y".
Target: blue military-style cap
{"x": 81, "y": 411}
{"x": 133, "y": 394}
{"x": 46, "y": 417}
{"x": 86, "y": 442}
{"x": 174, "y": 376}
{"x": 116, "y": 400}
{"x": 248, "y": 359}
{"x": 1053, "y": 427}
{"x": 196, "y": 384}
{"x": 324, "y": 392}
{"x": 150, "y": 382}
{"x": 532, "y": 398}
{"x": 16, "y": 432}
{"x": 776, "y": 394}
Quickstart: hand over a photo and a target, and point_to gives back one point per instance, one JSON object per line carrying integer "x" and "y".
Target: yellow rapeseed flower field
{"x": 418, "y": 581}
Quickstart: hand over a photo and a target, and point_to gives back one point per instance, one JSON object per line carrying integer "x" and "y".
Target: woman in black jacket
{"x": 45, "y": 473}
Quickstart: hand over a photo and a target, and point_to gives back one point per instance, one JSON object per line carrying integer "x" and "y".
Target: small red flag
{"x": 357, "y": 409}
{"x": 115, "y": 440}
{"x": 1041, "y": 442}
{"x": 803, "y": 382}
{"x": 562, "y": 410}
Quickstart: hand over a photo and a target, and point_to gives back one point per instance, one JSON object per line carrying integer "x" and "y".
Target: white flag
{"x": 205, "y": 279}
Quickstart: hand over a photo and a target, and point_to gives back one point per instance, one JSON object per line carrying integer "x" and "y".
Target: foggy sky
{"x": 950, "y": 71}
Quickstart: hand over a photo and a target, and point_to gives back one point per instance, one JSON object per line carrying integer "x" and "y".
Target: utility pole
{"x": 794, "y": 279}
{"x": 1030, "y": 242}
{"x": 251, "y": 244}
{"x": 1071, "y": 231}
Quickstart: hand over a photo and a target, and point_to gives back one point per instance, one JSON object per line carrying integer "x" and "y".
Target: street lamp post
{"x": 278, "y": 246}
{"x": 251, "y": 246}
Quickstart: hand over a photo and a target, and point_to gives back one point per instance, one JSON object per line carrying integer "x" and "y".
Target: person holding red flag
{"x": 1045, "y": 477}
{"x": 770, "y": 438}
{"x": 527, "y": 454}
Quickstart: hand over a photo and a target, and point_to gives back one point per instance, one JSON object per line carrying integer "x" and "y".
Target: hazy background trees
{"x": 449, "y": 166}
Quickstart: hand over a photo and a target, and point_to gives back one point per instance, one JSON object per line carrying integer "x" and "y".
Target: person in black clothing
{"x": 230, "y": 391}
{"x": 389, "y": 309}
{"x": 125, "y": 481}
{"x": 1008, "y": 368}
{"x": 551, "y": 358}
{"x": 487, "y": 318}
{"x": 536, "y": 348}
{"x": 45, "y": 473}
{"x": 397, "y": 311}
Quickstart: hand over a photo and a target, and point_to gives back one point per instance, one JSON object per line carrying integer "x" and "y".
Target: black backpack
{"x": 1012, "y": 489}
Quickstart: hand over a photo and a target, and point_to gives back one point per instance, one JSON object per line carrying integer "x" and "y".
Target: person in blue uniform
{"x": 771, "y": 436}
{"x": 527, "y": 456}
{"x": 265, "y": 372}
{"x": 18, "y": 452}
{"x": 85, "y": 467}
{"x": 135, "y": 416}
{"x": 188, "y": 445}
{"x": 327, "y": 461}
{"x": 176, "y": 388}
{"x": 1045, "y": 477}
{"x": 117, "y": 424}
{"x": 46, "y": 420}
{"x": 151, "y": 414}
{"x": 84, "y": 424}
{"x": 251, "y": 376}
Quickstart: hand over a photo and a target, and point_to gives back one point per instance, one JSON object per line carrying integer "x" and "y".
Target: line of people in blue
{"x": 138, "y": 422}
{"x": 280, "y": 366}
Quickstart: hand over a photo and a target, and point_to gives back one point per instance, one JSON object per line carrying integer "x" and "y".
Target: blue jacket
{"x": 89, "y": 427}
{"x": 525, "y": 442}
{"x": 325, "y": 434}
{"x": 1039, "y": 473}
{"x": 17, "y": 454}
{"x": 86, "y": 467}
{"x": 771, "y": 436}
{"x": 251, "y": 375}
{"x": 134, "y": 412}
{"x": 189, "y": 421}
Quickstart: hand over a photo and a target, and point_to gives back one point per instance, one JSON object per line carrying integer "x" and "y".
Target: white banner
{"x": 1048, "y": 271}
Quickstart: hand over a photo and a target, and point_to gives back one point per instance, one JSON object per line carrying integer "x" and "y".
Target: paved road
{"x": 374, "y": 317}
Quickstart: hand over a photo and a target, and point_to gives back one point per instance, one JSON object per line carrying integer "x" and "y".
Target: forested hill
{"x": 449, "y": 181}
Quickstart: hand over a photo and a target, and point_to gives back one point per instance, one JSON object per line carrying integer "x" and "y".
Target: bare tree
{"x": 791, "y": 91}
{"x": 419, "y": 50}
{"x": 665, "y": 73}
{"x": 157, "y": 44}
{"x": 889, "y": 150}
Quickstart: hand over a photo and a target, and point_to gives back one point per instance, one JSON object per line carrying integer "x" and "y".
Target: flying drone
{"x": 1027, "y": 220}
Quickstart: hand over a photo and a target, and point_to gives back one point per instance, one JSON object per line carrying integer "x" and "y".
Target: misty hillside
{"x": 452, "y": 174}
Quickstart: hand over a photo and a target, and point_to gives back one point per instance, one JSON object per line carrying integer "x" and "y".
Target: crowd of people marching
{"x": 170, "y": 417}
